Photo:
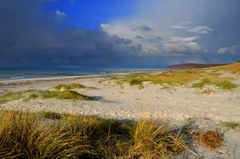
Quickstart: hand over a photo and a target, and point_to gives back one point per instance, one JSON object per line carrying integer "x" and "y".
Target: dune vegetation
{"x": 52, "y": 135}
{"x": 231, "y": 125}
{"x": 69, "y": 86}
{"x": 60, "y": 92}
{"x": 10, "y": 96}
{"x": 199, "y": 77}
{"x": 232, "y": 68}
{"x": 222, "y": 84}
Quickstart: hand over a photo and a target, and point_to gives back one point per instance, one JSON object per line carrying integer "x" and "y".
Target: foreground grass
{"x": 44, "y": 94}
{"x": 40, "y": 135}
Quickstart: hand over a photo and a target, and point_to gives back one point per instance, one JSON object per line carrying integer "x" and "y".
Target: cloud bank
{"x": 161, "y": 32}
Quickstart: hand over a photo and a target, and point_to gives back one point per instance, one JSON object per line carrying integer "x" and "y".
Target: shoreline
{"x": 105, "y": 73}
{"x": 57, "y": 78}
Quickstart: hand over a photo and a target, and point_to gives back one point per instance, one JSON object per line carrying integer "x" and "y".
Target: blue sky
{"x": 90, "y": 14}
{"x": 118, "y": 33}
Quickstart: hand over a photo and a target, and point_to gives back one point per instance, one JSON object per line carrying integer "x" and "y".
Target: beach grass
{"x": 185, "y": 77}
{"x": 67, "y": 94}
{"x": 33, "y": 135}
{"x": 220, "y": 83}
{"x": 232, "y": 68}
{"x": 231, "y": 125}
{"x": 10, "y": 96}
{"x": 227, "y": 85}
{"x": 44, "y": 94}
{"x": 172, "y": 78}
{"x": 26, "y": 136}
{"x": 69, "y": 86}
{"x": 49, "y": 115}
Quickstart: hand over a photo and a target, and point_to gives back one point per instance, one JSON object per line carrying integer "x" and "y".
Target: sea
{"x": 16, "y": 73}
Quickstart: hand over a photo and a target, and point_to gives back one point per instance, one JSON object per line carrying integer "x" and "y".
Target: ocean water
{"x": 13, "y": 74}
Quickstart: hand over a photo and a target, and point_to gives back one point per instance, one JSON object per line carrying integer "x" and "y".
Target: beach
{"x": 131, "y": 102}
{"x": 206, "y": 100}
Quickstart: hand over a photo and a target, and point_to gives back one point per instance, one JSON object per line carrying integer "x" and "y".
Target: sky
{"x": 118, "y": 33}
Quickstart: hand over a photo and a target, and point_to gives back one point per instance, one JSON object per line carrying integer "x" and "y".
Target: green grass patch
{"x": 69, "y": 86}
{"x": 45, "y": 94}
{"x": 67, "y": 94}
{"x": 222, "y": 84}
{"x": 202, "y": 83}
{"x": 64, "y": 95}
{"x": 231, "y": 125}
{"x": 10, "y": 97}
{"x": 135, "y": 82}
{"x": 227, "y": 85}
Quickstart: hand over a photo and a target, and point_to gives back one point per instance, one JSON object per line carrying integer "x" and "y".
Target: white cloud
{"x": 157, "y": 29}
{"x": 139, "y": 35}
{"x": 182, "y": 45}
{"x": 151, "y": 40}
{"x": 60, "y": 13}
{"x": 200, "y": 29}
{"x": 230, "y": 50}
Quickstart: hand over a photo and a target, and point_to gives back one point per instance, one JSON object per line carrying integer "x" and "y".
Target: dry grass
{"x": 210, "y": 139}
{"x": 207, "y": 91}
{"x": 23, "y": 135}
{"x": 50, "y": 115}
{"x": 233, "y": 68}
{"x": 184, "y": 77}
{"x": 173, "y": 78}
{"x": 30, "y": 135}
{"x": 153, "y": 141}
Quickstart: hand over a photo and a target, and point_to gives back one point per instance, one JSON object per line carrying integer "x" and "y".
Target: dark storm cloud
{"x": 29, "y": 36}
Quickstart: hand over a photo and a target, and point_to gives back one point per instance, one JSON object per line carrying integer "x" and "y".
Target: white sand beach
{"x": 171, "y": 102}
